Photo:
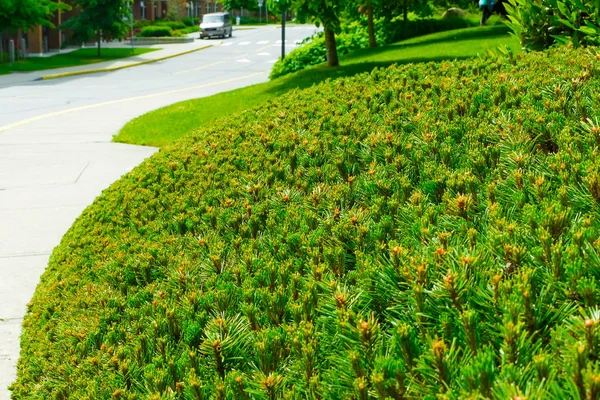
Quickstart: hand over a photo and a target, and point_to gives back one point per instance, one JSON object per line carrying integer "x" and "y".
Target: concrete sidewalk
{"x": 166, "y": 51}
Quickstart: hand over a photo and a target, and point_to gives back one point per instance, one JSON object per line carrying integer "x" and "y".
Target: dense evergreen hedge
{"x": 428, "y": 230}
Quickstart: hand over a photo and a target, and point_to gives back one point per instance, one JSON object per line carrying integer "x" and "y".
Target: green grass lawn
{"x": 167, "y": 124}
{"x": 72, "y": 59}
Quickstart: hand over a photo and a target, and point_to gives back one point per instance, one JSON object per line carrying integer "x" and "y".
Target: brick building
{"x": 43, "y": 39}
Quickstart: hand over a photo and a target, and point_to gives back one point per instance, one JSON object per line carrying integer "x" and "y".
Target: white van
{"x": 216, "y": 25}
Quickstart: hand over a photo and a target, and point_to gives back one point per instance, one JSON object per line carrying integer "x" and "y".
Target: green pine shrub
{"x": 354, "y": 36}
{"x": 425, "y": 231}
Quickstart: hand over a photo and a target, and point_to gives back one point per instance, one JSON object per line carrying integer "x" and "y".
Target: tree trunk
{"x": 405, "y": 10}
{"x": 99, "y": 37}
{"x": 331, "y": 47}
{"x": 371, "y": 26}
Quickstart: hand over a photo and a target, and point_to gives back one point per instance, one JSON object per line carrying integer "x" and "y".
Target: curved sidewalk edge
{"x": 130, "y": 65}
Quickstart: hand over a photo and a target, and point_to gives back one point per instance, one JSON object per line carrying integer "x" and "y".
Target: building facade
{"x": 41, "y": 39}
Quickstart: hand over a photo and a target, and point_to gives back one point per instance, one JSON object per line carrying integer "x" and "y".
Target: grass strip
{"x": 72, "y": 59}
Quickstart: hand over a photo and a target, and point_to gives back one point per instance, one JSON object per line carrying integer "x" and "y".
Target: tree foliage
{"x": 393, "y": 8}
{"x": 326, "y": 13}
{"x": 239, "y": 4}
{"x": 24, "y": 14}
{"x": 279, "y": 6}
{"x": 540, "y": 24}
{"x": 100, "y": 19}
{"x": 175, "y": 10}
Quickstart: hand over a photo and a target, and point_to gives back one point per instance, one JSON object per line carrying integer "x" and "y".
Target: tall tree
{"x": 24, "y": 14}
{"x": 230, "y": 5}
{"x": 175, "y": 10}
{"x": 422, "y": 8}
{"x": 368, "y": 7}
{"x": 100, "y": 19}
{"x": 326, "y": 13}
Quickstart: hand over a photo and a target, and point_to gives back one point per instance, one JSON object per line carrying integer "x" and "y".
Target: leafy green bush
{"x": 156, "y": 31}
{"x": 174, "y": 25}
{"x": 313, "y": 52}
{"x": 354, "y": 37}
{"x": 426, "y": 231}
{"x": 142, "y": 23}
{"x": 540, "y": 24}
{"x": 188, "y": 22}
{"x": 250, "y": 19}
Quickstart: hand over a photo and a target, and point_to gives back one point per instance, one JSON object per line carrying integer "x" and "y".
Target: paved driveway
{"x": 56, "y": 153}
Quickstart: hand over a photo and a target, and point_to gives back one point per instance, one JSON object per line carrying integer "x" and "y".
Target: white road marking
{"x": 243, "y": 60}
{"x": 263, "y": 42}
{"x": 244, "y": 43}
{"x": 273, "y": 61}
{"x": 227, "y": 44}
{"x": 264, "y": 54}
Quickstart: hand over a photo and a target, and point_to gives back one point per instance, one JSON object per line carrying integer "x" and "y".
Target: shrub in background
{"x": 142, "y": 23}
{"x": 542, "y": 23}
{"x": 354, "y": 36}
{"x": 188, "y": 21}
{"x": 156, "y": 31}
{"x": 174, "y": 25}
{"x": 250, "y": 19}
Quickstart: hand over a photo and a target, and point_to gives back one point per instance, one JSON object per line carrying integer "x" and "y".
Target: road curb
{"x": 112, "y": 69}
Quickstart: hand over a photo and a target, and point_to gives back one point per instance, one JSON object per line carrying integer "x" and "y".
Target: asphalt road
{"x": 239, "y": 61}
{"x": 56, "y": 153}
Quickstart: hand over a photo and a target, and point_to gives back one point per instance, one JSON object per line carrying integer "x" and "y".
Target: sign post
{"x": 260, "y": 4}
{"x": 11, "y": 52}
{"x": 283, "y": 15}
{"x": 132, "y": 48}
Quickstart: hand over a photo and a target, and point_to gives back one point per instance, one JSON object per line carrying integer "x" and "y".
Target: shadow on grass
{"x": 351, "y": 64}
{"x": 314, "y": 76}
{"x": 476, "y": 34}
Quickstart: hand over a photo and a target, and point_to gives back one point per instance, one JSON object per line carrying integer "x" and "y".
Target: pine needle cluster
{"x": 424, "y": 231}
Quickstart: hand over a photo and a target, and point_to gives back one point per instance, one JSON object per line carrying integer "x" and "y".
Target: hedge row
{"x": 426, "y": 231}
{"x": 159, "y": 31}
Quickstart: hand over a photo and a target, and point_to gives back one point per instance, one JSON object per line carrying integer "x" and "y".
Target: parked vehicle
{"x": 216, "y": 25}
